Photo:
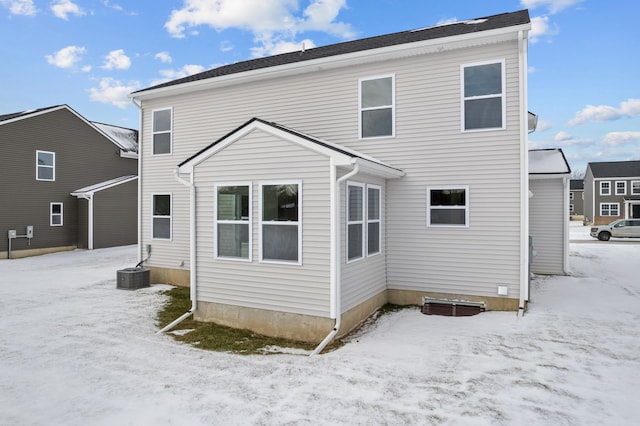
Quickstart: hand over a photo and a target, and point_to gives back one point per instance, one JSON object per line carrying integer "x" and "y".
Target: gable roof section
{"x": 613, "y": 169}
{"x": 92, "y": 189}
{"x": 548, "y": 162}
{"x": 341, "y": 156}
{"x": 437, "y": 32}
{"x": 125, "y": 143}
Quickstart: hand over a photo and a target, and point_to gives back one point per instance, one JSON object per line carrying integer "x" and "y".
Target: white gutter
{"x": 335, "y": 261}
{"x": 192, "y": 251}
{"x": 524, "y": 174}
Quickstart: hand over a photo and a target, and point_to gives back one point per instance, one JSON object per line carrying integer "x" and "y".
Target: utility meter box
{"x": 30, "y": 231}
{"x": 11, "y": 234}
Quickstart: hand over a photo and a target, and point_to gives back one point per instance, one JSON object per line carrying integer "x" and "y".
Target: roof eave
{"x": 338, "y": 61}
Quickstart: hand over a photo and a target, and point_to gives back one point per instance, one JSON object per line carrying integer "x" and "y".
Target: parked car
{"x": 623, "y": 228}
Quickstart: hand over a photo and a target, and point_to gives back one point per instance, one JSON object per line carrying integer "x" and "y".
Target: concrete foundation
{"x": 407, "y": 297}
{"x": 17, "y": 254}
{"x": 177, "y": 277}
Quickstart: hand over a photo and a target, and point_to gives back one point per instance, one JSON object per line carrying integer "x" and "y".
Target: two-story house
{"x": 298, "y": 193}
{"x": 611, "y": 191}
{"x": 66, "y": 183}
{"x": 576, "y": 198}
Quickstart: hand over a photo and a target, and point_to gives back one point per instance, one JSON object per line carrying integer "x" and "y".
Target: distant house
{"x": 314, "y": 186}
{"x": 549, "y": 175}
{"x": 611, "y": 191}
{"x": 66, "y": 182}
{"x": 576, "y": 198}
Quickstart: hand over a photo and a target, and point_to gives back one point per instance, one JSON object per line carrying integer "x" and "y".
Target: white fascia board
{"x": 90, "y": 190}
{"x": 128, "y": 154}
{"x": 378, "y": 169}
{"x": 339, "y": 61}
{"x": 549, "y": 176}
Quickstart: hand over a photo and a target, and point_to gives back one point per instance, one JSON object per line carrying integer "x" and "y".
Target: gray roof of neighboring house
{"x": 615, "y": 169}
{"x": 493, "y": 22}
{"x": 126, "y": 139}
{"x": 576, "y": 184}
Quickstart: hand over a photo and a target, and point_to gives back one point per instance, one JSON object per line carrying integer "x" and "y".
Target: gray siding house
{"x": 297, "y": 193}
{"x": 549, "y": 175}
{"x": 50, "y": 153}
{"x": 611, "y": 191}
{"x": 576, "y": 198}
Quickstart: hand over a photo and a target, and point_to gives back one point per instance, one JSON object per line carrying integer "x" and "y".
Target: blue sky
{"x": 89, "y": 54}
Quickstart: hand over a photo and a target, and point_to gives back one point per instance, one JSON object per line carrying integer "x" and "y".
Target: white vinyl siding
{"x": 546, "y": 225}
{"x": 428, "y": 147}
{"x": 263, "y": 159}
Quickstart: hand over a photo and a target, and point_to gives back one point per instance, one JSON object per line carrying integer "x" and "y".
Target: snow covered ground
{"x": 74, "y": 350}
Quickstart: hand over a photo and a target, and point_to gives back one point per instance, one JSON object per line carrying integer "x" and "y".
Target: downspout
{"x": 192, "y": 251}
{"x": 335, "y": 261}
{"x": 524, "y": 175}
{"x": 565, "y": 242}
{"x": 139, "y": 106}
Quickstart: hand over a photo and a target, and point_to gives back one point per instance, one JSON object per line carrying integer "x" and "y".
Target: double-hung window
{"x": 483, "y": 96}
{"x": 635, "y": 187}
{"x": 162, "y": 131}
{"x": 364, "y": 228}
{"x": 377, "y": 107}
{"x": 448, "y": 206}
{"x": 233, "y": 221}
{"x": 56, "y": 214}
{"x": 609, "y": 209}
{"x": 45, "y": 165}
{"x": 621, "y": 187}
{"x": 280, "y": 225}
{"x": 161, "y": 218}
{"x": 605, "y": 188}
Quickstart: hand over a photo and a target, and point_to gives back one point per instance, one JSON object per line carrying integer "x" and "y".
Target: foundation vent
{"x": 451, "y": 308}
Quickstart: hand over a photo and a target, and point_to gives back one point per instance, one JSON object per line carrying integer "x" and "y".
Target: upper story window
{"x": 448, "y": 206}
{"x": 377, "y": 107}
{"x": 483, "y": 96}
{"x": 280, "y": 228}
{"x": 45, "y": 165}
{"x": 162, "y": 131}
{"x": 56, "y": 214}
{"x": 161, "y": 218}
{"x": 635, "y": 187}
{"x": 605, "y": 188}
{"x": 621, "y": 187}
{"x": 233, "y": 221}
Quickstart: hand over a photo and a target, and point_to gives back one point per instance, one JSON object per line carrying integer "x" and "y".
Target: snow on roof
{"x": 126, "y": 138}
{"x": 548, "y": 161}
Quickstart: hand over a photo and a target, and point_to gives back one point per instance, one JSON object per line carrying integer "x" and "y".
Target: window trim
{"x": 261, "y": 222}
{"x": 368, "y": 221}
{"x": 624, "y": 189}
{"x": 602, "y": 183}
{"x": 466, "y": 206}
{"x": 38, "y": 166}
{"x": 216, "y": 221}
{"x": 52, "y": 214}
{"x": 617, "y": 206}
{"x": 502, "y": 95}
{"x": 635, "y": 187}
{"x": 392, "y": 106}
{"x": 360, "y": 222}
{"x": 153, "y": 195}
{"x": 153, "y": 132}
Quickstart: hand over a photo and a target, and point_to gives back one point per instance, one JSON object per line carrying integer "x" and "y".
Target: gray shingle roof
{"x": 615, "y": 169}
{"x": 10, "y": 116}
{"x": 576, "y": 184}
{"x": 439, "y": 31}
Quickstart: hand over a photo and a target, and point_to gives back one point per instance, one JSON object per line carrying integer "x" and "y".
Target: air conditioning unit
{"x": 133, "y": 278}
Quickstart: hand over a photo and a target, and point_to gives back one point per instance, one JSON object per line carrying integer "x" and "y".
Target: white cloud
{"x": 185, "y": 71}
{"x": 226, "y": 46}
{"x": 543, "y": 125}
{"x": 540, "y": 27}
{"x": 111, "y": 91}
{"x": 66, "y": 57}
{"x": 554, "y": 6}
{"x": 562, "y": 136}
{"x": 602, "y": 113}
{"x": 164, "y": 57}
{"x": 20, "y": 7}
{"x": 620, "y": 138}
{"x": 272, "y": 23}
{"x": 276, "y": 48}
{"x": 63, "y": 8}
{"x": 116, "y": 59}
